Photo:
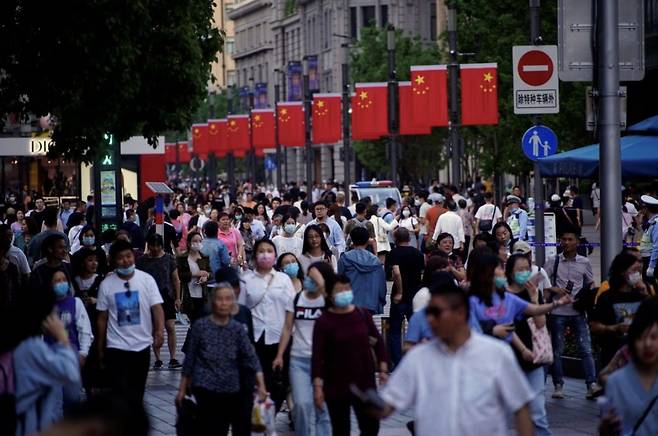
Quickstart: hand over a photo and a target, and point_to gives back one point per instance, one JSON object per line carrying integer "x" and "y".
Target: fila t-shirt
{"x": 305, "y": 312}
{"x": 129, "y": 324}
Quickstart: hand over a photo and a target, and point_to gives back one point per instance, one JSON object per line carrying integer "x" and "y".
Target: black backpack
{"x": 7, "y": 404}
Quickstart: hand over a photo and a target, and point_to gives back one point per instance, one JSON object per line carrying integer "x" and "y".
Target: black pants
{"x": 276, "y": 383}
{"x": 127, "y": 372}
{"x": 339, "y": 413}
{"x": 216, "y": 412}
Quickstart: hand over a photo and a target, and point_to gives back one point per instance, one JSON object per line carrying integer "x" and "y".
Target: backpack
{"x": 7, "y": 402}
{"x": 485, "y": 225}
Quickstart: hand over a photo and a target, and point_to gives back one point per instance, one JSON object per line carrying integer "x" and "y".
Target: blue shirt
{"x": 217, "y": 254}
{"x": 629, "y": 399}
{"x": 258, "y": 229}
{"x": 502, "y": 311}
{"x": 419, "y": 329}
{"x": 649, "y": 242}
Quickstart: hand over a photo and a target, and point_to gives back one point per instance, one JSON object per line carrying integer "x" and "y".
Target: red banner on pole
{"x": 479, "y": 94}
{"x": 237, "y": 133}
{"x": 200, "y": 140}
{"x": 262, "y": 125}
{"x": 409, "y": 125}
{"x": 327, "y": 118}
{"x": 370, "y": 111}
{"x": 429, "y": 96}
{"x": 291, "y": 123}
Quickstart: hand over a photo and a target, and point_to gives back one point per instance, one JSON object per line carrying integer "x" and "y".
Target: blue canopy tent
{"x": 639, "y": 155}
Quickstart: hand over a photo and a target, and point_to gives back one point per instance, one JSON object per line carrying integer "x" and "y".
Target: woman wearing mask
{"x": 342, "y": 355}
{"x": 301, "y": 314}
{"x": 409, "y": 221}
{"x": 316, "y": 249}
{"x": 40, "y": 370}
{"x": 248, "y": 237}
{"x": 287, "y": 242}
{"x": 193, "y": 272}
{"x": 218, "y": 357}
{"x": 87, "y": 240}
{"x": 86, "y": 281}
{"x": 289, "y": 264}
{"x": 266, "y": 292}
{"x": 262, "y": 216}
{"x": 238, "y": 215}
{"x": 232, "y": 238}
{"x": 444, "y": 246}
{"x": 518, "y": 274}
{"x": 615, "y": 309}
{"x": 75, "y": 225}
{"x": 493, "y": 309}
{"x": 633, "y": 389}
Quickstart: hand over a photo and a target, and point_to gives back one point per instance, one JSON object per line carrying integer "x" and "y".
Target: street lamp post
{"x": 279, "y": 163}
{"x": 307, "y": 124}
{"x": 393, "y": 112}
{"x": 230, "y": 158}
{"x": 347, "y": 146}
{"x": 453, "y": 67}
{"x": 212, "y": 158}
{"x": 251, "y": 169}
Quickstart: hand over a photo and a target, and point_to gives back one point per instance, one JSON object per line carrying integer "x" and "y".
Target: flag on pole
{"x": 237, "y": 133}
{"x": 200, "y": 140}
{"x": 184, "y": 152}
{"x": 262, "y": 125}
{"x": 370, "y": 111}
{"x": 326, "y": 118}
{"x": 479, "y": 94}
{"x": 429, "y": 97}
{"x": 409, "y": 124}
{"x": 217, "y": 137}
{"x": 170, "y": 153}
{"x": 290, "y": 116}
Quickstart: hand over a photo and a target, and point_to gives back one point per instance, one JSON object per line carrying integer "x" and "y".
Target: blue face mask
{"x": 292, "y": 269}
{"x": 500, "y": 282}
{"x": 522, "y": 277}
{"x": 289, "y": 228}
{"x": 310, "y": 285}
{"x": 88, "y": 240}
{"x": 125, "y": 271}
{"x": 343, "y": 299}
{"x": 61, "y": 289}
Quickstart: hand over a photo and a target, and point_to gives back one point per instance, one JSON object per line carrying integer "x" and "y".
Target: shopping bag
{"x": 263, "y": 417}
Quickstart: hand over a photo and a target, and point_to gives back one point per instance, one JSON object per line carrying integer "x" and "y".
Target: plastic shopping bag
{"x": 263, "y": 419}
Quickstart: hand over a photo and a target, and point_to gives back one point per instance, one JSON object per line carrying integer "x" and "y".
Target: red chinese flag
{"x": 184, "y": 154}
{"x": 429, "y": 96}
{"x": 409, "y": 124}
{"x": 326, "y": 118}
{"x": 200, "y": 140}
{"x": 260, "y": 152}
{"x": 290, "y": 116}
{"x": 170, "y": 153}
{"x": 215, "y": 139}
{"x": 370, "y": 111}
{"x": 237, "y": 133}
{"x": 262, "y": 125}
{"x": 479, "y": 94}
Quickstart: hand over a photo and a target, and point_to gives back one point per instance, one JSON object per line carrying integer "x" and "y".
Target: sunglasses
{"x": 128, "y": 291}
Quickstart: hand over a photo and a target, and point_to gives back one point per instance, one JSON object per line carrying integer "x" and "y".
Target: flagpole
{"x": 454, "y": 88}
{"x": 347, "y": 146}
{"x": 393, "y": 112}
{"x": 230, "y": 158}
{"x": 279, "y": 164}
{"x": 307, "y": 125}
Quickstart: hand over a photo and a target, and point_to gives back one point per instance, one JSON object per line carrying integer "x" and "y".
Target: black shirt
{"x": 411, "y": 262}
{"x": 522, "y": 330}
{"x": 615, "y": 307}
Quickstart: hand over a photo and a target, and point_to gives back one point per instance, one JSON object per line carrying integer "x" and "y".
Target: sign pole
{"x": 609, "y": 151}
{"x": 540, "y": 250}
{"x": 453, "y": 69}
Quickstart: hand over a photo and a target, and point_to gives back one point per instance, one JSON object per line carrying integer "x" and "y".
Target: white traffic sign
{"x": 536, "y": 89}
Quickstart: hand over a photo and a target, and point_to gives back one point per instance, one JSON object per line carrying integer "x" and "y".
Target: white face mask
{"x": 634, "y": 278}
{"x": 406, "y": 213}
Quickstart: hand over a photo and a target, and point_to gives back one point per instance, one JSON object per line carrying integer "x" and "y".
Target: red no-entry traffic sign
{"x": 535, "y": 79}
{"x": 535, "y": 68}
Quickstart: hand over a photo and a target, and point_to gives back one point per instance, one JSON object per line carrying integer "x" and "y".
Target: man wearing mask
{"x": 130, "y": 321}
{"x": 649, "y": 241}
{"x": 517, "y": 218}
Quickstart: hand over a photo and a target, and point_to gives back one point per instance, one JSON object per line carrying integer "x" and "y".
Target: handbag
{"x": 542, "y": 348}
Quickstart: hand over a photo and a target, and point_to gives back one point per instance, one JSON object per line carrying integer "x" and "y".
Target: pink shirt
{"x": 230, "y": 239}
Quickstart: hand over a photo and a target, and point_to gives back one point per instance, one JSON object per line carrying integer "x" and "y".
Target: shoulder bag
{"x": 542, "y": 348}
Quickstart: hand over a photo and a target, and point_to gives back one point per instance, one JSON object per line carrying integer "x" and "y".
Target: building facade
{"x": 224, "y": 68}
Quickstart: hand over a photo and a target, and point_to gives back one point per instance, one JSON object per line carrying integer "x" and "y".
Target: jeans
{"x": 302, "y": 394}
{"x": 538, "y": 403}
{"x": 578, "y": 324}
{"x": 397, "y": 314}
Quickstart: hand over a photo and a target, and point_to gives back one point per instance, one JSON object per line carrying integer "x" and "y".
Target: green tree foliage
{"x": 490, "y": 29}
{"x": 99, "y": 66}
{"x": 421, "y": 156}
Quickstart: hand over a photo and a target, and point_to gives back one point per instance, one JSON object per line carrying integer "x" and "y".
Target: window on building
{"x": 326, "y": 27}
{"x": 260, "y": 73}
{"x": 230, "y": 46}
{"x": 230, "y": 77}
{"x": 354, "y": 25}
{"x": 433, "y": 29}
{"x": 368, "y": 17}
{"x": 383, "y": 15}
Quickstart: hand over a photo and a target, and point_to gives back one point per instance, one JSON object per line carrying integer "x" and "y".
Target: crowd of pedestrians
{"x": 299, "y": 299}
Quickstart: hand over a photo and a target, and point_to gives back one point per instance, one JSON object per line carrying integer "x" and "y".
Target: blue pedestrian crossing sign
{"x": 539, "y": 141}
{"x": 270, "y": 163}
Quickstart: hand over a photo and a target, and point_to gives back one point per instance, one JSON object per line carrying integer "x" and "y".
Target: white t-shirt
{"x": 544, "y": 282}
{"x": 481, "y": 384}
{"x": 306, "y": 312}
{"x": 422, "y": 213}
{"x": 409, "y": 223}
{"x": 292, "y": 245}
{"x": 130, "y": 325}
{"x": 489, "y": 212}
